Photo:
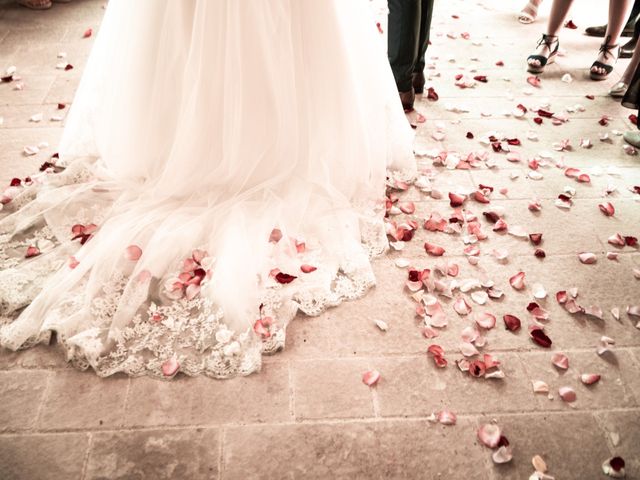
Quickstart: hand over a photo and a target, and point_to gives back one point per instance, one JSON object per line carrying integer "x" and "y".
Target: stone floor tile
{"x": 622, "y": 430}
{"x": 412, "y": 386}
{"x": 612, "y": 391}
{"x": 572, "y": 445}
{"x": 76, "y": 400}
{"x": 159, "y": 454}
{"x": 387, "y": 449}
{"x": 21, "y": 394}
{"x": 43, "y": 457}
{"x": 262, "y": 397}
{"x": 332, "y": 388}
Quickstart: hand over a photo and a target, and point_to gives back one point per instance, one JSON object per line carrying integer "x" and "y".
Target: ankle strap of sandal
{"x": 547, "y": 40}
{"x": 606, "y": 47}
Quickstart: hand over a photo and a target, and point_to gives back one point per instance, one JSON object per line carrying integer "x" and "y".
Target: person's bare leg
{"x": 618, "y": 12}
{"x": 559, "y": 10}
{"x": 620, "y": 88}
{"x": 529, "y": 12}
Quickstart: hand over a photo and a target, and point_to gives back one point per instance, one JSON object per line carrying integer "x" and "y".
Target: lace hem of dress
{"x": 175, "y": 326}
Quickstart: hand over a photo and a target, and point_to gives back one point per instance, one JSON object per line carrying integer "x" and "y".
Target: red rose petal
{"x": 432, "y": 94}
{"x": 607, "y": 209}
{"x": 284, "y": 278}
{"x": 308, "y": 268}
{"x": 533, "y": 81}
{"x": 88, "y": 32}
{"x": 512, "y": 323}
{"x": 570, "y": 24}
{"x": 434, "y": 250}
{"x": 536, "y": 238}
{"x": 32, "y": 251}
{"x": 541, "y": 338}
{"x": 456, "y": 200}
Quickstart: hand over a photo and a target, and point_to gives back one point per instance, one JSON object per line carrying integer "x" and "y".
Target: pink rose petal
{"x": 170, "y": 367}
{"x": 371, "y": 377}
{"x": 587, "y": 258}
{"x": 461, "y": 306}
{"x": 517, "y": 281}
{"x": 560, "y": 360}
{"x": 447, "y": 417}
{"x": 567, "y": 394}
{"x": 589, "y": 378}
{"x": 434, "y": 250}
{"x": 133, "y": 253}
{"x": 489, "y": 434}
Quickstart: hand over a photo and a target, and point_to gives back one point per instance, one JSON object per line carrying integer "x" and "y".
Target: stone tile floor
{"x": 307, "y": 414}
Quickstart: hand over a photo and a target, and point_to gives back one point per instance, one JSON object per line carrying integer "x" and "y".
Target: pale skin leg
{"x": 559, "y": 11}
{"x": 618, "y": 11}
{"x": 633, "y": 64}
{"x": 529, "y": 11}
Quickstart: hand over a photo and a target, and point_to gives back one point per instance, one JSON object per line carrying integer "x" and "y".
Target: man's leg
{"x": 423, "y": 44}
{"x": 404, "y": 33}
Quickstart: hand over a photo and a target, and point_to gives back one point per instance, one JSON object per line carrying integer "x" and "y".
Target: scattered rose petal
{"x": 614, "y": 467}
{"x": 534, "y": 81}
{"x": 587, "y": 258}
{"x": 382, "y": 325}
{"x": 170, "y": 367}
{"x": 284, "y": 278}
{"x": 560, "y": 360}
{"x": 133, "y": 253}
{"x": 438, "y": 355}
{"x": 589, "y": 378}
{"x": 489, "y": 434}
{"x": 371, "y": 377}
{"x": 570, "y": 24}
{"x": 512, "y": 323}
{"x": 540, "y": 387}
{"x": 607, "y": 209}
{"x": 567, "y": 394}
{"x": 447, "y": 417}
{"x": 502, "y": 455}
{"x": 517, "y": 281}
{"x": 434, "y": 250}
{"x": 307, "y": 268}
{"x": 604, "y": 345}
{"x": 461, "y": 306}
{"x": 541, "y": 338}
{"x": 539, "y": 464}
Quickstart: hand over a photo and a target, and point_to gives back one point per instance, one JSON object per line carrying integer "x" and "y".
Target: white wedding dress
{"x": 223, "y": 167}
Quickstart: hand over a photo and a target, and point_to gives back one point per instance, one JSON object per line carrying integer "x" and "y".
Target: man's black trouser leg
{"x": 403, "y": 42}
{"x": 425, "y": 28}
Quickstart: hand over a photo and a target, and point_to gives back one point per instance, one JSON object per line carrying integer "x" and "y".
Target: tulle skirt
{"x": 223, "y": 167}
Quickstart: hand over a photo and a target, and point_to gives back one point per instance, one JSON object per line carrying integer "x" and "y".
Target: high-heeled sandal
{"x": 547, "y": 40}
{"x": 35, "y": 4}
{"x": 526, "y": 17}
{"x": 619, "y": 89}
{"x": 606, "y": 51}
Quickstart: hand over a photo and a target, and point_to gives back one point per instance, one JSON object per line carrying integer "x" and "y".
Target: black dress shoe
{"x": 407, "y": 99}
{"x": 600, "y": 30}
{"x": 418, "y": 82}
{"x": 626, "y": 51}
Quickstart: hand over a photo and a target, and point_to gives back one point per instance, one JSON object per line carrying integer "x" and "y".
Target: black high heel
{"x": 547, "y": 40}
{"x": 606, "y": 50}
